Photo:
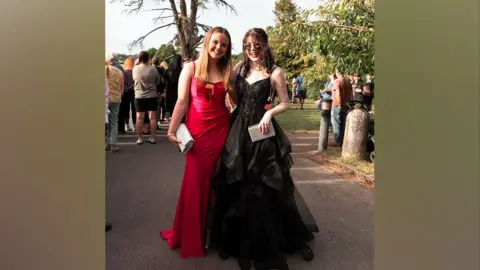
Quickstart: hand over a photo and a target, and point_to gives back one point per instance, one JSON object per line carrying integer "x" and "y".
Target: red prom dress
{"x": 208, "y": 122}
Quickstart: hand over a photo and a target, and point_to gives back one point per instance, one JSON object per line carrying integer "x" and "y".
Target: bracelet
{"x": 170, "y": 134}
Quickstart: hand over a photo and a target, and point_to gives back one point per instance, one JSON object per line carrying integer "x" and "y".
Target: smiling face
{"x": 253, "y": 49}
{"x": 218, "y": 45}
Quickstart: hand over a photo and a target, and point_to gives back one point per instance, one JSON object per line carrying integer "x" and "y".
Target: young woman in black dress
{"x": 257, "y": 218}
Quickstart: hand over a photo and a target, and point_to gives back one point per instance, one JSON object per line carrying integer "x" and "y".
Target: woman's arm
{"x": 183, "y": 99}
{"x": 231, "y": 96}
{"x": 279, "y": 84}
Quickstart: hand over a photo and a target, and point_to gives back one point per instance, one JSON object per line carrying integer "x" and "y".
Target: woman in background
{"x": 127, "y": 104}
{"x": 162, "y": 107}
{"x": 160, "y": 89}
{"x": 171, "y": 76}
{"x": 146, "y": 80}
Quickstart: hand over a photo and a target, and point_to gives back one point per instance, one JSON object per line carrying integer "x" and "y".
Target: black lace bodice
{"x": 252, "y": 98}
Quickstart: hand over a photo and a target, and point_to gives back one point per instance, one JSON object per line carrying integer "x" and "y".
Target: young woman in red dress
{"x": 202, "y": 91}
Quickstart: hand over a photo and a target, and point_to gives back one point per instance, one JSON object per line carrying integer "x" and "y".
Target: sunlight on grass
{"x": 365, "y": 167}
{"x": 307, "y": 120}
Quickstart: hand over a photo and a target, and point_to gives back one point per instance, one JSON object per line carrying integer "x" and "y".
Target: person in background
{"x": 146, "y": 119}
{"x": 289, "y": 87}
{"x": 163, "y": 102}
{"x": 146, "y": 80}
{"x": 127, "y": 99}
{"x": 367, "y": 92}
{"x": 160, "y": 89}
{"x": 326, "y": 92}
{"x": 115, "y": 62}
{"x": 370, "y": 81}
{"x": 115, "y": 86}
{"x": 301, "y": 91}
{"x": 108, "y": 226}
{"x": 294, "y": 89}
{"x": 171, "y": 77}
{"x": 341, "y": 94}
{"x": 357, "y": 87}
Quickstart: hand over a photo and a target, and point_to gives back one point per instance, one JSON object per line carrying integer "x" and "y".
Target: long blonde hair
{"x": 225, "y": 63}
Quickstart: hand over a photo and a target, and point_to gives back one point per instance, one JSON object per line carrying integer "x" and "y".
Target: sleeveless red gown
{"x": 208, "y": 122}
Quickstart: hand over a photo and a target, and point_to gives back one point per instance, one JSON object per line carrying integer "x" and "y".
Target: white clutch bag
{"x": 185, "y": 137}
{"x": 256, "y": 135}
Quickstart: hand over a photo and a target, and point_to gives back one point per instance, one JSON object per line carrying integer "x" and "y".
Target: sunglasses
{"x": 248, "y": 47}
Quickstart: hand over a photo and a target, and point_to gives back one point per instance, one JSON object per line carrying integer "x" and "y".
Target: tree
{"x": 188, "y": 35}
{"x": 343, "y": 34}
{"x": 285, "y": 12}
{"x": 292, "y": 61}
{"x": 152, "y": 52}
{"x": 166, "y": 51}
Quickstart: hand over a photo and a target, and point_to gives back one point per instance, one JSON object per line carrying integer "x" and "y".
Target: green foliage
{"x": 344, "y": 35}
{"x": 152, "y": 52}
{"x": 285, "y": 12}
{"x": 165, "y": 51}
{"x": 341, "y": 34}
{"x": 236, "y": 58}
{"x": 289, "y": 59}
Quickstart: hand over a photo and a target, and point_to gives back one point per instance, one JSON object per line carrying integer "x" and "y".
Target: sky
{"x": 121, "y": 28}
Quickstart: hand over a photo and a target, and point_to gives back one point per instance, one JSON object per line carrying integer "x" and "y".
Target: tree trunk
{"x": 356, "y": 135}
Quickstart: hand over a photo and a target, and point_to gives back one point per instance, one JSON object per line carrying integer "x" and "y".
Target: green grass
{"x": 307, "y": 120}
{"x": 360, "y": 165}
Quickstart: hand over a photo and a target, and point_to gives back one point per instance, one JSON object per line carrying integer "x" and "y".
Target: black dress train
{"x": 259, "y": 214}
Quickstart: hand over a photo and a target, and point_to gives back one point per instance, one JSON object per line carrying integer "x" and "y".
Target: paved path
{"x": 143, "y": 184}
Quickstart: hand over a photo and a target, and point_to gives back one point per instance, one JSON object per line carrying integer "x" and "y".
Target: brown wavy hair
{"x": 225, "y": 63}
{"x": 266, "y": 54}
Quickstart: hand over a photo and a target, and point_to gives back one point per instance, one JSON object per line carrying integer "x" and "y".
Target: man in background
{"x": 357, "y": 87}
{"x": 301, "y": 91}
{"x": 116, "y": 84}
{"x": 341, "y": 95}
{"x": 114, "y": 61}
{"x": 326, "y": 92}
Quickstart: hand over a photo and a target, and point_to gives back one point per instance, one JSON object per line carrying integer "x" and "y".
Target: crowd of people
{"x": 142, "y": 95}
{"x": 338, "y": 91}
{"x": 245, "y": 186}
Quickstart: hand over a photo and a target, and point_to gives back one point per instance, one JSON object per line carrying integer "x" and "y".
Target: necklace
{"x": 259, "y": 68}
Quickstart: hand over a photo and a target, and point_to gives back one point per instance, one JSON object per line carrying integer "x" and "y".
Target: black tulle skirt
{"x": 259, "y": 213}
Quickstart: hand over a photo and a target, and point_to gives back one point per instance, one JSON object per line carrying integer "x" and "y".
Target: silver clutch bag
{"x": 185, "y": 137}
{"x": 256, "y": 135}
